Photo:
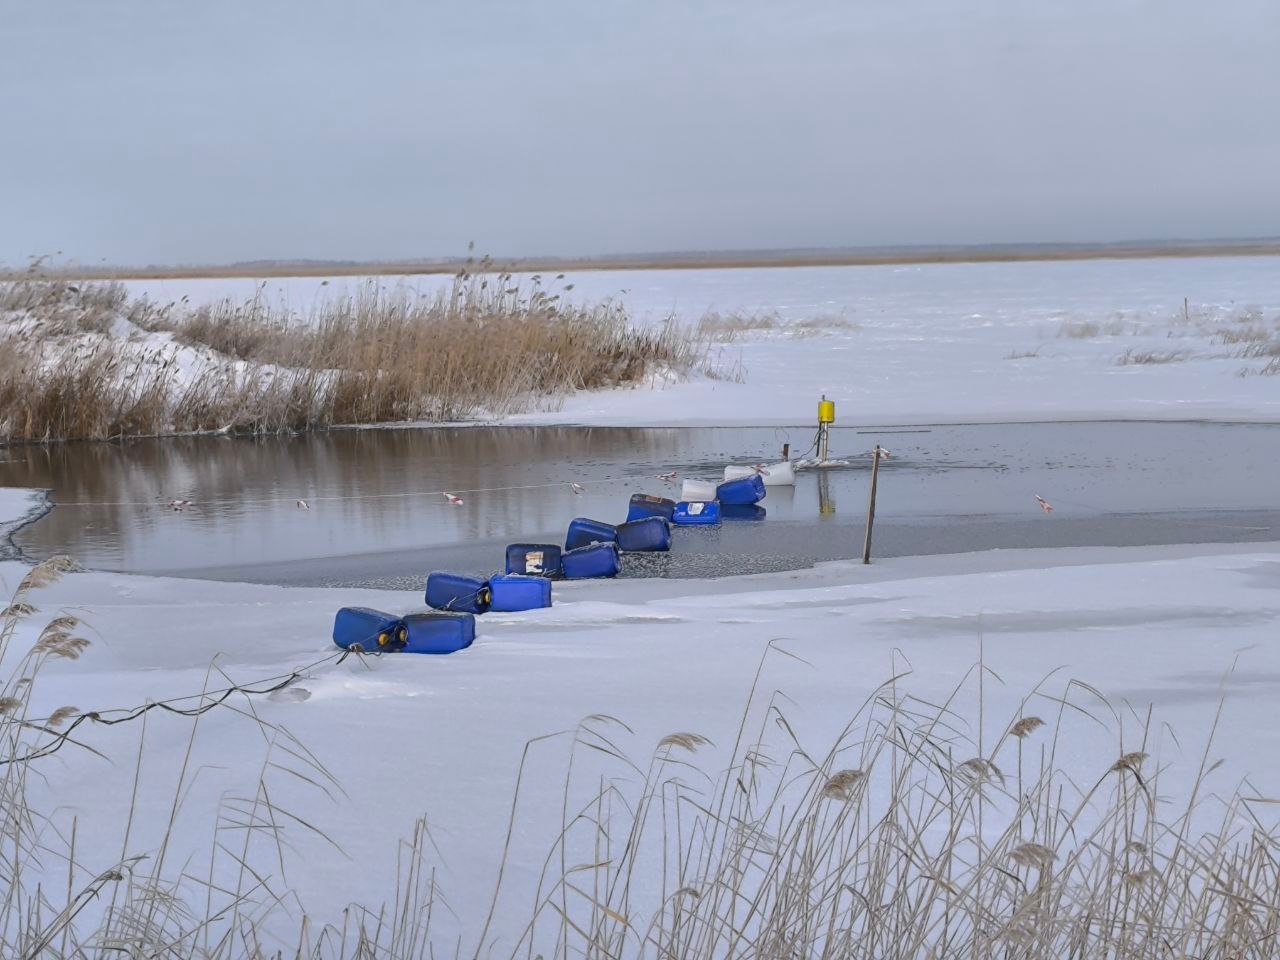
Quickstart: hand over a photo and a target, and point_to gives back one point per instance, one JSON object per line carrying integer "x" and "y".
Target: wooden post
{"x": 1186, "y": 311}
{"x": 786, "y": 451}
{"x": 871, "y": 504}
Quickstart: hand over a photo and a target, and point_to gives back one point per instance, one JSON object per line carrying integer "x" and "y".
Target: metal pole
{"x": 871, "y": 505}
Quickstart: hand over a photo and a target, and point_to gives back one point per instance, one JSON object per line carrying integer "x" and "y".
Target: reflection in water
{"x": 377, "y": 514}
{"x": 369, "y": 490}
{"x": 826, "y": 506}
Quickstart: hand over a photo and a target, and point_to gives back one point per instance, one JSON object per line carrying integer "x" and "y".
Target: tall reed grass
{"x": 484, "y": 346}
{"x": 906, "y": 837}
{"x": 61, "y": 307}
{"x": 728, "y": 327}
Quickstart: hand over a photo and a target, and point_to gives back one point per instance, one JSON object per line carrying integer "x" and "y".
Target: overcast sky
{"x": 161, "y": 132}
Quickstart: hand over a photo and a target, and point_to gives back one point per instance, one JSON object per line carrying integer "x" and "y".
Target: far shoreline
{"x": 925, "y": 424}
{"x": 746, "y": 259}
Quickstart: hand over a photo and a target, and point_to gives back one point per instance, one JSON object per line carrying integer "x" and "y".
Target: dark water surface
{"x": 377, "y": 517}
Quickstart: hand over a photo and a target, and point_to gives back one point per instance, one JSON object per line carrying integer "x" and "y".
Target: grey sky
{"x": 162, "y": 132}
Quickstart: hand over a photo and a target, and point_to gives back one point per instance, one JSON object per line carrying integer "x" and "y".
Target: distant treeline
{"x": 692, "y": 260}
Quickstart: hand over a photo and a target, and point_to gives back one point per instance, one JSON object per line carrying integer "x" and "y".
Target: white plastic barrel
{"x": 697, "y": 490}
{"x": 774, "y": 474}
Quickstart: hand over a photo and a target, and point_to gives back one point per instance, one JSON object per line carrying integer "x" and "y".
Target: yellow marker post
{"x": 826, "y": 417}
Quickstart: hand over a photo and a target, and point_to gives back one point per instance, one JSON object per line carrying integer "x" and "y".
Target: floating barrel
{"x": 534, "y": 559}
{"x": 774, "y": 474}
{"x": 647, "y": 505}
{"x": 514, "y": 592}
{"x": 742, "y": 511}
{"x": 583, "y": 532}
{"x": 743, "y": 491}
{"x": 453, "y": 591}
{"x": 359, "y": 628}
{"x": 439, "y": 632}
{"x": 698, "y": 490}
{"x": 696, "y": 513}
{"x": 649, "y": 533}
{"x": 595, "y": 560}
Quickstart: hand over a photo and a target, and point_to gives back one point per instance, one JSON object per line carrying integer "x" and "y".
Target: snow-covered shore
{"x": 408, "y": 736}
{"x": 1162, "y": 339}
{"x": 940, "y": 343}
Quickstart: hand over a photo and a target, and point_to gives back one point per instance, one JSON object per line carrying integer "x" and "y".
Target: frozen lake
{"x": 377, "y": 518}
{"x": 923, "y": 296}
{"x": 1165, "y": 339}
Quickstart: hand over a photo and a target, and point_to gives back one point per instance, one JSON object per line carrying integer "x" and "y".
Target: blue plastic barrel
{"x": 513, "y": 592}
{"x": 360, "y": 628}
{"x": 583, "y": 532}
{"x": 595, "y": 560}
{"x": 439, "y": 632}
{"x": 649, "y": 533}
{"x": 647, "y": 505}
{"x": 534, "y": 559}
{"x": 454, "y": 591}
{"x": 696, "y": 513}
{"x": 741, "y": 492}
{"x": 740, "y": 511}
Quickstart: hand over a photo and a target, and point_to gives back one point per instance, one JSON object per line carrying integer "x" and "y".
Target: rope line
{"x": 214, "y": 698}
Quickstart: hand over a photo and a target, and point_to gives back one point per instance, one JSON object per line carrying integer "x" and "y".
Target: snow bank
{"x": 405, "y": 736}
{"x": 141, "y": 353}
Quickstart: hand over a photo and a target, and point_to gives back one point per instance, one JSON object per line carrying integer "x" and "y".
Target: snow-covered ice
{"x": 939, "y": 343}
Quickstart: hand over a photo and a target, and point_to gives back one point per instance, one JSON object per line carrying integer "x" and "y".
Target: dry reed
{"x": 1089, "y": 329}
{"x": 1149, "y": 357}
{"x": 61, "y": 307}
{"x": 729, "y": 327}
{"x": 484, "y": 346}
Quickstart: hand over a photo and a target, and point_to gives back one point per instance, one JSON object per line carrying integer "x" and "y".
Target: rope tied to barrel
{"x": 209, "y": 700}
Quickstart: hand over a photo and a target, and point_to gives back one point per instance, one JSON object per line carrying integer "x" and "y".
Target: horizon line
{"x": 886, "y": 255}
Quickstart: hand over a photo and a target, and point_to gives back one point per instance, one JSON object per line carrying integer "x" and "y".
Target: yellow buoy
{"x": 826, "y": 411}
